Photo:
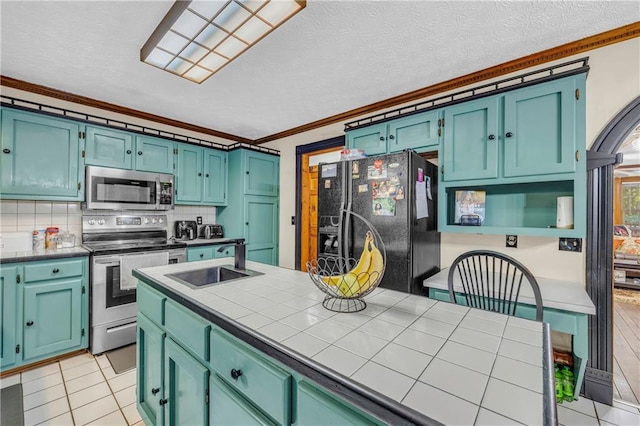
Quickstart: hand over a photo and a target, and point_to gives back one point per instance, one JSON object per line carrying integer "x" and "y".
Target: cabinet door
{"x": 40, "y": 157}
{"x": 186, "y": 387}
{"x": 414, "y": 132}
{"x": 154, "y": 155}
{"x": 189, "y": 174}
{"x": 228, "y": 408}
{"x": 215, "y": 177}
{"x": 108, "y": 148}
{"x": 317, "y": 408}
{"x": 371, "y": 139}
{"x": 8, "y": 315}
{"x": 149, "y": 348}
{"x": 261, "y": 229}
{"x": 539, "y": 126}
{"x": 262, "y": 173}
{"x": 199, "y": 253}
{"x": 51, "y": 318}
{"x": 470, "y": 147}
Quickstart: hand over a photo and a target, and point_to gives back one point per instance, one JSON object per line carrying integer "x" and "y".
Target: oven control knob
{"x": 101, "y": 222}
{"x": 91, "y": 222}
{"x": 146, "y": 220}
{"x": 160, "y": 220}
{"x": 154, "y": 220}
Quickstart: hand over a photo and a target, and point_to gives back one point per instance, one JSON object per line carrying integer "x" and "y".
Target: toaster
{"x": 211, "y": 231}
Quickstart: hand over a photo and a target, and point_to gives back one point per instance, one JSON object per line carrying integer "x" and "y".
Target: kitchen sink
{"x": 211, "y": 276}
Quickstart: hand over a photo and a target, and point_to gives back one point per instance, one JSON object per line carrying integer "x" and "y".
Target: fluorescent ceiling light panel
{"x": 197, "y": 38}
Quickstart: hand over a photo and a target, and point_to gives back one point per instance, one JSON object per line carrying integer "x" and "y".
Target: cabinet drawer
{"x": 150, "y": 303}
{"x": 52, "y": 270}
{"x": 203, "y": 253}
{"x": 177, "y": 319}
{"x": 266, "y": 385}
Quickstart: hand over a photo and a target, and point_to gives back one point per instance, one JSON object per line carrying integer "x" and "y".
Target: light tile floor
{"x": 85, "y": 390}
{"x": 82, "y": 390}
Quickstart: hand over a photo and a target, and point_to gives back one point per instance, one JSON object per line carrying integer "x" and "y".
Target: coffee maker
{"x": 185, "y": 230}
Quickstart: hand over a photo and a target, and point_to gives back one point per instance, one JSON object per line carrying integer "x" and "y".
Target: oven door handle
{"x": 107, "y": 262}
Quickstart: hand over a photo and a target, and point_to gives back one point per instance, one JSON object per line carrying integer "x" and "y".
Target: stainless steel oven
{"x": 120, "y": 244}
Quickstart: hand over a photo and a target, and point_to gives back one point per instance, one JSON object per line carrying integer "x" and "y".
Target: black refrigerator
{"x": 397, "y": 194}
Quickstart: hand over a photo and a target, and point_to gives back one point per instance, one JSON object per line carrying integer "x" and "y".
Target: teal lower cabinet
{"x": 209, "y": 252}
{"x": 179, "y": 382}
{"x": 51, "y": 319}
{"x": 316, "y": 407}
{"x": 227, "y": 407}
{"x": 150, "y": 345}
{"x": 186, "y": 387}
{"x": 572, "y": 323}
{"x": 45, "y": 310}
{"x": 8, "y": 315}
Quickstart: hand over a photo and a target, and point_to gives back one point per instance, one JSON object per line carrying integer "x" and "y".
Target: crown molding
{"x": 597, "y": 41}
{"x": 83, "y": 100}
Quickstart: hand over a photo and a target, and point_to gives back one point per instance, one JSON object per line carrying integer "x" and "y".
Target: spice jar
{"x": 51, "y": 238}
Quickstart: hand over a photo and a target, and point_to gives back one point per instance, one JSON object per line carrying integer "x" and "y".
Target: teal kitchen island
{"x": 263, "y": 350}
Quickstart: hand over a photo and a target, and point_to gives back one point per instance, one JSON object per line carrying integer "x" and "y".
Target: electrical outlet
{"x": 199, "y": 220}
{"x": 570, "y": 244}
{"x": 511, "y": 241}
{"x": 293, "y": 220}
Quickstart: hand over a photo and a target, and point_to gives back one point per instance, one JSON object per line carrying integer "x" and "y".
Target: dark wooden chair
{"x": 492, "y": 281}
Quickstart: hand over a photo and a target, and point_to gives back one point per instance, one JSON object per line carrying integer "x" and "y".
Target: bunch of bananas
{"x": 366, "y": 272}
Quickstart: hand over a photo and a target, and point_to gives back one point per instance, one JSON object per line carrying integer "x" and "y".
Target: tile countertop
{"x": 42, "y": 254}
{"x": 447, "y": 362}
{"x": 557, "y": 294}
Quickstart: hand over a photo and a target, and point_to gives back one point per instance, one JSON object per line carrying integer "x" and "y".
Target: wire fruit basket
{"x": 346, "y": 281}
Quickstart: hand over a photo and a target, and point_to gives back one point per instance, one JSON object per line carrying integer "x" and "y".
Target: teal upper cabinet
{"x": 420, "y": 132}
{"x": 8, "y": 315}
{"x": 539, "y": 129}
{"x": 189, "y": 174}
{"x": 520, "y": 151}
{"x": 263, "y": 173}
{"x": 215, "y": 177}
{"x": 41, "y": 158}
{"x": 201, "y": 175}
{"x": 109, "y": 148}
{"x": 154, "y": 154}
{"x": 371, "y": 139}
{"x": 470, "y": 147}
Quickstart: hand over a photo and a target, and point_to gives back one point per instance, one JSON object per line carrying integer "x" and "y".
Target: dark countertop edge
{"x": 371, "y": 402}
{"x": 549, "y": 407}
{"x": 198, "y": 242}
{"x": 46, "y": 256}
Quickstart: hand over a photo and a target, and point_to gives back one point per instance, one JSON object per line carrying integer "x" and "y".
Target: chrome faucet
{"x": 240, "y": 253}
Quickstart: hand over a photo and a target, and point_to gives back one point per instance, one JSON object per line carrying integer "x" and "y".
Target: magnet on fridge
{"x": 327, "y": 184}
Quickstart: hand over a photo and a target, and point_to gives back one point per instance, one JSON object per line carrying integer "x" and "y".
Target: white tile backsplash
{"x": 27, "y": 215}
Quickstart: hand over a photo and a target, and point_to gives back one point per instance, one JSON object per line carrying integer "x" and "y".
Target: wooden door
{"x": 309, "y": 231}
{"x": 309, "y": 209}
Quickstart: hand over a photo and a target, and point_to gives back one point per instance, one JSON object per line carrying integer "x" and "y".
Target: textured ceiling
{"x": 332, "y": 57}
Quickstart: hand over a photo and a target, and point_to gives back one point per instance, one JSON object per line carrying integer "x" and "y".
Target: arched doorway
{"x": 602, "y": 158}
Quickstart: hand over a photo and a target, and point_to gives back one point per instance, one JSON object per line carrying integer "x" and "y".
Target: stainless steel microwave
{"x": 118, "y": 189}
